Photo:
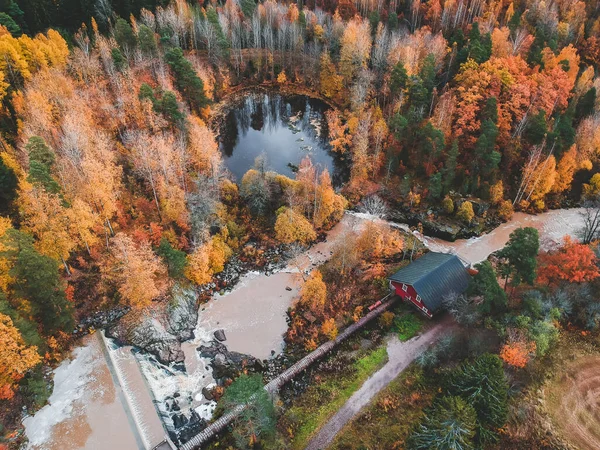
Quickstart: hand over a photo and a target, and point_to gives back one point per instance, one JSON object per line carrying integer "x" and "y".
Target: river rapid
{"x": 104, "y": 396}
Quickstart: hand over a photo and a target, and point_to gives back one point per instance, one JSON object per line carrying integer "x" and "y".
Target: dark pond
{"x": 283, "y": 129}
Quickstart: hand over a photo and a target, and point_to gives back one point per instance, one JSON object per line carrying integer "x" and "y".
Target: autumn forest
{"x": 451, "y": 116}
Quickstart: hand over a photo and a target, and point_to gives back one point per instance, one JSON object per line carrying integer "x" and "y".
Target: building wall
{"x": 409, "y": 294}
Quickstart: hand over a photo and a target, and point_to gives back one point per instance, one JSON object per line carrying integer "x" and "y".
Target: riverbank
{"x": 232, "y": 309}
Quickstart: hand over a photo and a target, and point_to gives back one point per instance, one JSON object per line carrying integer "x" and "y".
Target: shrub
{"x": 465, "y": 212}
{"x": 448, "y": 205}
{"x": 506, "y": 210}
{"x": 386, "y": 320}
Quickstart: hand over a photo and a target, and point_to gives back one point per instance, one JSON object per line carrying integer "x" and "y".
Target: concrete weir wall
{"x": 134, "y": 395}
{"x": 274, "y": 385}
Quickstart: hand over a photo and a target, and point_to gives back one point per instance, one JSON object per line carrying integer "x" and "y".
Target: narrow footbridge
{"x": 275, "y": 384}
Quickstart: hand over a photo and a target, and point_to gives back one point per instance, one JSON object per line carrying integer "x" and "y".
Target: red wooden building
{"x": 427, "y": 280}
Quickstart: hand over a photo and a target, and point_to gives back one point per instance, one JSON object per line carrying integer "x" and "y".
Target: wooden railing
{"x": 276, "y": 383}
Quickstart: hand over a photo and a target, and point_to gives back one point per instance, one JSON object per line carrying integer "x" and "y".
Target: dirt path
{"x": 400, "y": 354}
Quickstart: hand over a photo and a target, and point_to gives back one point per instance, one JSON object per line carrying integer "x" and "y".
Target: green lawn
{"x": 407, "y": 326}
{"x": 321, "y": 400}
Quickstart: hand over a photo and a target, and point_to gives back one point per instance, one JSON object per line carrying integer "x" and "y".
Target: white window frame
{"x": 418, "y": 298}
{"x": 404, "y": 287}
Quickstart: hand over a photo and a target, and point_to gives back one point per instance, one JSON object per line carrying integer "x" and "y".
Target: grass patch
{"x": 328, "y": 393}
{"x": 388, "y": 420}
{"x": 407, "y": 326}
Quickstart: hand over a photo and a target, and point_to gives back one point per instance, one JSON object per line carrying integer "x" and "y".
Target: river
{"x": 553, "y": 226}
{"x": 85, "y": 410}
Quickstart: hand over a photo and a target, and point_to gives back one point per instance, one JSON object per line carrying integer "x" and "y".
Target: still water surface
{"x": 282, "y": 129}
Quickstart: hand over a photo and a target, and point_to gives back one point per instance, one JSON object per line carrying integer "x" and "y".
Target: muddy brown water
{"x": 553, "y": 226}
{"x": 85, "y": 412}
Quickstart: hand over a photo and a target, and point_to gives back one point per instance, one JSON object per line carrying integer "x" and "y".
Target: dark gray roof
{"x": 434, "y": 275}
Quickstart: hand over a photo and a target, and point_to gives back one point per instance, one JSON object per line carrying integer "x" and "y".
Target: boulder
{"x": 179, "y": 420}
{"x": 220, "y": 335}
{"x": 226, "y": 364}
{"x": 207, "y": 393}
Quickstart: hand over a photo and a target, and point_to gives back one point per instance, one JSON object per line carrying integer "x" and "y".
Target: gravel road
{"x": 400, "y": 354}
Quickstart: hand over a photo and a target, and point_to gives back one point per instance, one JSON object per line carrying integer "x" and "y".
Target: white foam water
{"x": 71, "y": 380}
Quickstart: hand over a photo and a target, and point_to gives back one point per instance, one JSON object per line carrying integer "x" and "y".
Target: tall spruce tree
{"x": 35, "y": 278}
{"x": 188, "y": 83}
{"x": 448, "y": 425}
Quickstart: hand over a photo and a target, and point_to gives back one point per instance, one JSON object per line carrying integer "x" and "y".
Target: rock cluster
{"x": 182, "y": 428}
{"x": 228, "y": 365}
{"x": 161, "y": 333}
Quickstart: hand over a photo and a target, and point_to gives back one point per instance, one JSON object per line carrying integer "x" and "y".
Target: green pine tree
{"x": 124, "y": 35}
{"x": 449, "y": 170}
{"x": 188, "y": 83}
{"x": 398, "y": 79}
{"x": 147, "y": 41}
{"x": 519, "y": 256}
{"x": 8, "y": 187}
{"x": 448, "y": 425}
{"x": 175, "y": 259}
{"x": 482, "y": 384}
{"x": 36, "y": 279}
{"x": 485, "y": 285}
{"x": 255, "y": 421}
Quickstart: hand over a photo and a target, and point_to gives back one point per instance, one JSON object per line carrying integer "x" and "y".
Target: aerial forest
{"x": 114, "y": 193}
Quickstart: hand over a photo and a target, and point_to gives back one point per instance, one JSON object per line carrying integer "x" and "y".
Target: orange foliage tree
{"x": 15, "y": 358}
{"x": 139, "y": 274}
{"x": 572, "y": 263}
{"x": 518, "y": 353}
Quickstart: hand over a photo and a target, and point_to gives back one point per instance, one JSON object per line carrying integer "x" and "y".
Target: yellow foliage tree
{"x": 5, "y": 278}
{"x": 506, "y": 210}
{"x": 591, "y": 190}
{"x": 23, "y": 56}
{"x": 44, "y": 215}
{"x": 378, "y": 240}
{"x": 291, "y": 226}
{"x": 355, "y": 47}
{"x": 207, "y": 259}
{"x": 219, "y": 253}
{"x": 329, "y": 328}
{"x": 314, "y": 292}
{"x": 329, "y": 206}
{"x": 198, "y": 267}
{"x": 497, "y": 192}
{"x": 542, "y": 179}
{"x": 465, "y": 212}
{"x": 565, "y": 170}
{"x": 15, "y": 358}
{"x": 281, "y": 78}
{"x": 331, "y": 82}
